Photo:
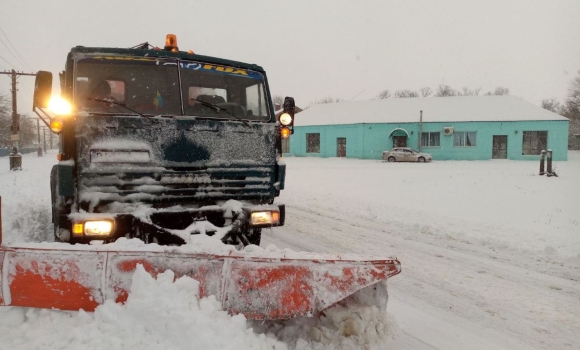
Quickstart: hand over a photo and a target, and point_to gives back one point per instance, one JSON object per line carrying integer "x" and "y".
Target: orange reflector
{"x": 190, "y": 52}
{"x": 59, "y": 156}
{"x": 56, "y": 125}
{"x": 285, "y": 132}
{"x": 78, "y": 229}
{"x": 275, "y": 217}
{"x": 171, "y": 43}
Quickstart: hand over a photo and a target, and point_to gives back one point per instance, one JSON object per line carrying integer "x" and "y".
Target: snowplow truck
{"x": 164, "y": 146}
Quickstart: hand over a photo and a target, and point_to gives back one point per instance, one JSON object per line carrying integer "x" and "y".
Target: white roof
{"x": 435, "y": 109}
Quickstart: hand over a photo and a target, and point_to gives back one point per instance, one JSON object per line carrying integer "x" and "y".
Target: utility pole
{"x": 15, "y": 117}
{"x": 38, "y": 130}
{"x": 44, "y": 135}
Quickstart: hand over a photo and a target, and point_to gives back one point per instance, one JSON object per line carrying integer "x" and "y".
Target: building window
{"x": 534, "y": 142}
{"x": 430, "y": 139}
{"x": 286, "y": 145}
{"x": 464, "y": 139}
{"x": 312, "y": 143}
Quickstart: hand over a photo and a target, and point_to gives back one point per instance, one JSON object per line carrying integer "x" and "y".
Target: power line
{"x": 9, "y": 64}
{"x": 6, "y": 46}
{"x": 21, "y": 59}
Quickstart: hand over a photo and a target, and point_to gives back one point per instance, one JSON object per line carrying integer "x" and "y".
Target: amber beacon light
{"x": 171, "y": 43}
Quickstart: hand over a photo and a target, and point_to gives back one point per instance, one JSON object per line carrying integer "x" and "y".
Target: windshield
{"x": 236, "y": 91}
{"x": 148, "y": 86}
{"x": 152, "y": 86}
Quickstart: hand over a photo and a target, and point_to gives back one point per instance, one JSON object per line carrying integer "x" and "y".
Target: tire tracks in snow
{"x": 536, "y": 307}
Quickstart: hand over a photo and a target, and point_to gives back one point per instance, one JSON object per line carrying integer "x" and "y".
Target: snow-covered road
{"x": 465, "y": 283}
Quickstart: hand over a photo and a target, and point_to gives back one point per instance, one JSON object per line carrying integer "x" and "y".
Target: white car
{"x": 406, "y": 154}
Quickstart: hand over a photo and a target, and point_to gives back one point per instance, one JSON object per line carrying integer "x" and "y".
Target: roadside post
{"x": 542, "y": 161}
{"x": 15, "y": 159}
{"x": 550, "y": 171}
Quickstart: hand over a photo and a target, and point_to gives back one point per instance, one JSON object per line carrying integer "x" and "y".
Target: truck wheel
{"x": 391, "y": 159}
{"x": 255, "y": 236}
{"x": 247, "y": 237}
{"x": 60, "y": 235}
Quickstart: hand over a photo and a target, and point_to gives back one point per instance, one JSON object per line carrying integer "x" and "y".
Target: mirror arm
{"x": 44, "y": 117}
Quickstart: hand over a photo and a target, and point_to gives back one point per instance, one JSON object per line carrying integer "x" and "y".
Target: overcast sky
{"x": 312, "y": 49}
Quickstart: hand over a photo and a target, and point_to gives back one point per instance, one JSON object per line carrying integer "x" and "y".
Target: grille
{"x": 175, "y": 185}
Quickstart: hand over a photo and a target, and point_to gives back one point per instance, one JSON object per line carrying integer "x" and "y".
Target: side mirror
{"x": 289, "y": 105}
{"x": 42, "y": 89}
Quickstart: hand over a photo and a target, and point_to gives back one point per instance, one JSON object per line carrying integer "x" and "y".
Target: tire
{"x": 421, "y": 160}
{"x": 255, "y": 236}
{"x": 56, "y": 205}
{"x": 247, "y": 237}
{"x": 391, "y": 159}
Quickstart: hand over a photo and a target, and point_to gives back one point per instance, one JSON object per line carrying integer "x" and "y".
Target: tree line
{"x": 570, "y": 109}
{"x": 28, "y": 134}
{"x": 442, "y": 90}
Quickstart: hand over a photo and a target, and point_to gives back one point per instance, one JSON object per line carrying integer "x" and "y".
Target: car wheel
{"x": 421, "y": 160}
{"x": 391, "y": 159}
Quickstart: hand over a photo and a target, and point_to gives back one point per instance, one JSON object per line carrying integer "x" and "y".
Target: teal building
{"x": 449, "y": 128}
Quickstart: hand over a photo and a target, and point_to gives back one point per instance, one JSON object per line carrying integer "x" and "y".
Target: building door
{"x": 499, "y": 147}
{"x": 341, "y": 146}
{"x": 399, "y": 141}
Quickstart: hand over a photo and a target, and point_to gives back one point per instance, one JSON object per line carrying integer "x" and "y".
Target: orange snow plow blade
{"x": 259, "y": 288}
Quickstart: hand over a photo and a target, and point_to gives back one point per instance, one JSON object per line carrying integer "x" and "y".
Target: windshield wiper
{"x": 113, "y": 102}
{"x": 217, "y": 109}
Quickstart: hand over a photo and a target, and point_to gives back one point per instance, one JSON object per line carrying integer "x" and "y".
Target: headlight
{"x": 265, "y": 218}
{"x": 59, "y": 106}
{"x": 285, "y": 119}
{"x": 93, "y": 228}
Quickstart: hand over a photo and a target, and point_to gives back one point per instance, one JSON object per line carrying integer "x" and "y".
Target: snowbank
{"x": 159, "y": 314}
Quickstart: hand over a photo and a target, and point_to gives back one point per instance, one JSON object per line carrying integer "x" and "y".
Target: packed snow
{"x": 489, "y": 251}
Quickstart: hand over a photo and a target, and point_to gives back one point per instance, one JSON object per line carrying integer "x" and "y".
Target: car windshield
{"x": 155, "y": 86}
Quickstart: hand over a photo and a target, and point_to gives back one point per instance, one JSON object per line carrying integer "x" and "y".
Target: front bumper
{"x": 174, "y": 226}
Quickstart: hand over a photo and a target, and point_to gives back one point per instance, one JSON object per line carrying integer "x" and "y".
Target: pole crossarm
{"x": 16, "y": 73}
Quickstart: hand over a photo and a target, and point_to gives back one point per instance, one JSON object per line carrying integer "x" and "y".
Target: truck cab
{"x": 161, "y": 144}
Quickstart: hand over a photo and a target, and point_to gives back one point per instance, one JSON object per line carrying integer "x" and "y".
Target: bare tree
{"x": 327, "y": 99}
{"x": 384, "y": 94}
{"x": 406, "y": 93}
{"x": 445, "y": 91}
{"x": 5, "y": 121}
{"x": 572, "y": 102}
{"x": 499, "y": 91}
{"x": 465, "y": 91}
{"x": 572, "y": 111}
{"x": 425, "y": 91}
{"x": 28, "y": 132}
{"x": 278, "y": 101}
{"x": 553, "y": 105}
